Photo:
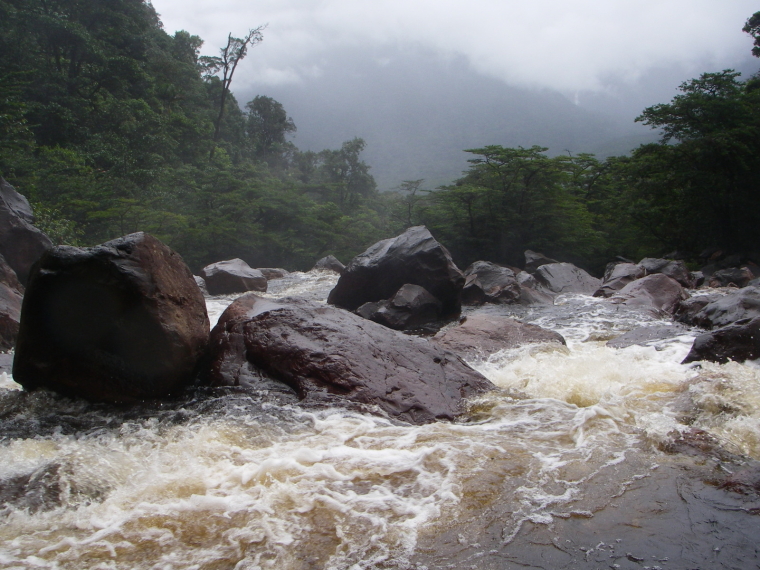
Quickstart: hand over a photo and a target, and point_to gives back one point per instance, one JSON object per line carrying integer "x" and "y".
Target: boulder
{"x": 21, "y": 244}
{"x": 733, "y": 276}
{"x": 645, "y": 335}
{"x": 201, "y": 282}
{"x": 11, "y": 295}
{"x": 413, "y": 257}
{"x": 658, "y": 293}
{"x": 232, "y": 276}
{"x": 273, "y": 272}
{"x": 689, "y": 308}
{"x": 534, "y": 260}
{"x": 411, "y": 307}
{"x": 481, "y": 335}
{"x": 727, "y": 309}
{"x": 531, "y": 291}
{"x": 329, "y": 263}
{"x": 324, "y": 353}
{"x": 617, "y": 276}
{"x": 674, "y": 269}
{"x": 486, "y": 282}
{"x": 120, "y": 322}
{"x": 566, "y": 278}
{"x": 739, "y": 341}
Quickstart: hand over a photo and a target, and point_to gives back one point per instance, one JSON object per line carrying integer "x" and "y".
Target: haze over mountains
{"x": 418, "y": 110}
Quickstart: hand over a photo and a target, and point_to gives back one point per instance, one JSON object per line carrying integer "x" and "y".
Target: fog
{"x": 420, "y": 81}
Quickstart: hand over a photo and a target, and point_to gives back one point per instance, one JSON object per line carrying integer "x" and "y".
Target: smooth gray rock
{"x": 738, "y": 305}
{"x": 617, "y": 276}
{"x": 329, "y": 263}
{"x": 232, "y": 276}
{"x": 674, "y": 269}
{"x": 566, "y": 278}
{"x": 657, "y": 293}
{"x": 486, "y": 282}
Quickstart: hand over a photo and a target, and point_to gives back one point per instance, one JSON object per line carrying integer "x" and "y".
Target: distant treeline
{"x": 110, "y": 125}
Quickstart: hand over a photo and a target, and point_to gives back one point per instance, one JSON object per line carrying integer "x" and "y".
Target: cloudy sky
{"x": 566, "y": 45}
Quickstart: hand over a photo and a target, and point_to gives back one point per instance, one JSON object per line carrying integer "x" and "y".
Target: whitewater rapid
{"x": 569, "y": 449}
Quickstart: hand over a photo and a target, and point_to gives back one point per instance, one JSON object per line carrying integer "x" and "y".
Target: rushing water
{"x": 575, "y": 462}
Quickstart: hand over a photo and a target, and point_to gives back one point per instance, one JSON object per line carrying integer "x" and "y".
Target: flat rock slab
{"x": 645, "y": 335}
{"x": 480, "y": 335}
{"x": 324, "y": 352}
{"x": 120, "y": 322}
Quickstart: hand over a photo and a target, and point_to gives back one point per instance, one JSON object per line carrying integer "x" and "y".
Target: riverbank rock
{"x": 21, "y": 244}
{"x": 486, "y": 282}
{"x": 11, "y": 295}
{"x": 534, "y": 260}
{"x": 675, "y": 269}
{"x": 617, "y": 276}
{"x": 566, "y": 278}
{"x": 727, "y": 309}
{"x": 329, "y": 263}
{"x": 324, "y": 352}
{"x": 658, "y": 293}
{"x": 739, "y": 341}
{"x": 411, "y": 307}
{"x": 413, "y": 257}
{"x": 120, "y": 322}
{"x": 232, "y": 276}
{"x": 481, "y": 335}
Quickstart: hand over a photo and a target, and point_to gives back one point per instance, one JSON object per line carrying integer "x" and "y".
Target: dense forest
{"x": 110, "y": 125}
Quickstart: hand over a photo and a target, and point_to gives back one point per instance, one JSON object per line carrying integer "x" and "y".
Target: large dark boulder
{"x": 232, "y": 276}
{"x": 21, "y": 244}
{"x": 486, "y": 282}
{"x": 531, "y": 291}
{"x": 329, "y": 263}
{"x": 322, "y": 352}
{"x": 566, "y": 278}
{"x": 673, "y": 268}
{"x": 120, "y": 322}
{"x": 534, "y": 260}
{"x": 11, "y": 294}
{"x": 725, "y": 310}
{"x": 411, "y": 307}
{"x": 481, "y": 335}
{"x": 656, "y": 293}
{"x": 736, "y": 276}
{"x": 617, "y": 276}
{"x": 739, "y": 341}
{"x": 413, "y": 257}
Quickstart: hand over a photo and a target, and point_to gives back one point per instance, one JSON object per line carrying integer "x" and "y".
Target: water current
{"x": 586, "y": 457}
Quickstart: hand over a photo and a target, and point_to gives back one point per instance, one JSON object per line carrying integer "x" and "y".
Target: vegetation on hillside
{"x": 110, "y": 125}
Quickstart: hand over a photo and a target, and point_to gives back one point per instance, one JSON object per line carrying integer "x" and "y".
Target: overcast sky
{"x": 571, "y": 45}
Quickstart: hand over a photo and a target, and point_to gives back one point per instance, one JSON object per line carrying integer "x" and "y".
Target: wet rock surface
{"x": 618, "y": 276}
{"x": 232, "y": 276}
{"x": 534, "y": 260}
{"x": 739, "y": 341}
{"x": 119, "y": 322}
{"x": 658, "y": 293}
{"x": 322, "y": 352}
{"x": 273, "y": 272}
{"x": 566, "y": 278}
{"x": 413, "y": 257}
{"x": 646, "y": 335}
{"x": 675, "y": 269}
{"x": 329, "y": 263}
{"x": 481, "y": 335}
{"x": 11, "y": 295}
{"x": 723, "y": 310}
{"x": 486, "y": 282}
{"x": 411, "y": 307}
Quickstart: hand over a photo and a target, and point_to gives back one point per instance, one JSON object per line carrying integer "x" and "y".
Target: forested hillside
{"x": 111, "y": 125}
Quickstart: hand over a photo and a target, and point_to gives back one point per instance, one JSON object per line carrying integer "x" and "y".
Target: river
{"x": 586, "y": 457}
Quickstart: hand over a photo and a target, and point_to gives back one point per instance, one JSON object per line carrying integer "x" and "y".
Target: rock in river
{"x": 232, "y": 276}
{"x": 324, "y": 352}
{"x": 119, "y": 322}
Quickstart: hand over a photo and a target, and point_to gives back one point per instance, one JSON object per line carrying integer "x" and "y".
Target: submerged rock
{"x": 322, "y": 352}
{"x": 566, "y": 278}
{"x": 232, "y": 276}
{"x": 413, "y": 257}
{"x": 21, "y": 244}
{"x": 480, "y": 335}
{"x": 120, "y": 322}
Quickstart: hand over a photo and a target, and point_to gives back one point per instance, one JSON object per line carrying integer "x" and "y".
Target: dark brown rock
{"x": 481, "y": 335}
{"x": 566, "y": 278}
{"x": 675, "y": 269}
{"x": 657, "y": 293}
{"x": 486, "y": 282}
{"x": 413, "y": 257}
{"x": 324, "y": 352}
{"x": 21, "y": 244}
{"x": 120, "y": 322}
{"x": 232, "y": 276}
{"x": 534, "y": 260}
{"x": 329, "y": 263}
{"x": 727, "y": 309}
{"x": 11, "y": 295}
{"x": 617, "y": 276}
{"x": 273, "y": 272}
{"x": 411, "y": 307}
{"x": 739, "y": 341}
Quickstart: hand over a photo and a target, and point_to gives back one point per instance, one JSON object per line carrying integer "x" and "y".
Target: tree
{"x": 267, "y": 126}
{"x": 226, "y": 64}
{"x": 752, "y": 27}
